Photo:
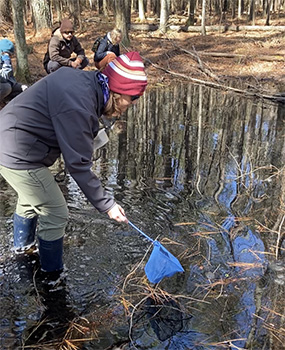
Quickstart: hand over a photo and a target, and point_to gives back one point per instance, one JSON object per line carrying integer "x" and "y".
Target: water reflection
{"x": 192, "y": 165}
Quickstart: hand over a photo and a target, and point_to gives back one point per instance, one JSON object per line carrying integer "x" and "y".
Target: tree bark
{"x": 5, "y": 12}
{"x": 191, "y": 19}
{"x": 74, "y": 8}
{"x": 122, "y": 19}
{"x": 203, "y": 22}
{"x": 164, "y": 13}
{"x": 41, "y": 14}
{"x": 141, "y": 10}
{"x": 22, "y": 70}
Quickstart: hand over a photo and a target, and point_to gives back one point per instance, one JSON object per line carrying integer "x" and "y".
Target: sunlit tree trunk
{"x": 239, "y": 8}
{"x": 22, "y": 70}
{"x": 164, "y": 13}
{"x": 41, "y": 14}
{"x": 105, "y": 8}
{"x": 203, "y": 22}
{"x": 122, "y": 18}
{"x": 141, "y": 10}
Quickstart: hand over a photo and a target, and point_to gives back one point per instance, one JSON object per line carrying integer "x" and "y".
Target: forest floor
{"x": 254, "y": 60}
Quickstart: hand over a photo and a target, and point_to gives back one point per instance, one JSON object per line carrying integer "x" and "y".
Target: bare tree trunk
{"x": 239, "y": 9}
{"x": 41, "y": 14}
{"x": 141, "y": 10}
{"x": 252, "y": 11}
{"x": 203, "y": 22}
{"x": 22, "y": 70}
{"x": 5, "y": 11}
{"x": 268, "y": 5}
{"x": 233, "y": 5}
{"x": 105, "y": 8}
{"x": 74, "y": 8}
{"x": 58, "y": 10}
{"x": 122, "y": 18}
{"x": 190, "y": 20}
{"x": 148, "y": 7}
{"x": 164, "y": 13}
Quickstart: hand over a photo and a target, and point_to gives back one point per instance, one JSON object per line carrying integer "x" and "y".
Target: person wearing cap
{"x": 108, "y": 49}
{"x": 9, "y": 87}
{"x": 62, "y": 45}
{"x": 54, "y": 119}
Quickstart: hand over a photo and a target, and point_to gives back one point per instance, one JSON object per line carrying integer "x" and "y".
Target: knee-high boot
{"x": 24, "y": 233}
{"x": 51, "y": 255}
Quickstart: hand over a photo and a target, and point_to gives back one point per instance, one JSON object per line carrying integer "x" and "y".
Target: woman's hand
{"x": 117, "y": 213}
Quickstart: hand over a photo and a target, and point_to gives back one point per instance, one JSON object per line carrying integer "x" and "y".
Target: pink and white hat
{"x": 126, "y": 74}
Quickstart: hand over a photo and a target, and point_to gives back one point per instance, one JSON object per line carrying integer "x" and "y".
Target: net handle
{"x": 140, "y": 231}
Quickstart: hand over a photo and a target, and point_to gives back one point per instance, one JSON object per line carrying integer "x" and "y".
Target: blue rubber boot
{"x": 24, "y": 233}
{"x": 51, "y": 255}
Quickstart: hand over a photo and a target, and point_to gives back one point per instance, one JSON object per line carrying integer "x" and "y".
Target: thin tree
{"x": 191, "y": 13}
{"x": 164, "y": 14}
{"x": 268, "y": 5}
{"x": 123, "y": 18}
{"x": 22, "y": 70}
{"x": 203, "y": 21}
{"x": 141, "y": 10}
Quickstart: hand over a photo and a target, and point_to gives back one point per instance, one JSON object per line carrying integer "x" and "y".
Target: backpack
{"x": 96, "y": 44}
{"x": 46, "y": 60}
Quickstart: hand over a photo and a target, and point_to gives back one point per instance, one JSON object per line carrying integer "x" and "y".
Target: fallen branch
{"x": 270, "y": 58}
{"x": 235, "y": 28}
{"x": 275, "y": 98}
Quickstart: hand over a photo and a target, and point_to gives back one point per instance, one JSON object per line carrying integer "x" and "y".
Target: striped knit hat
{"x": 126, "y": 74}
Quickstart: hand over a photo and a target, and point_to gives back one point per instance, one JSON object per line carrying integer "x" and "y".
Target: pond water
{"x": 203, "y": 172}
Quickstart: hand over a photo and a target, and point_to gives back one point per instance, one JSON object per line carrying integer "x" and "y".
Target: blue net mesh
{"x": 161, "y": 264}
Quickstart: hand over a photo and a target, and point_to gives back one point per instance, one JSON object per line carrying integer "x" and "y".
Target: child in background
{"x": 9, "y": 87}
{"x": 108, "y": 49}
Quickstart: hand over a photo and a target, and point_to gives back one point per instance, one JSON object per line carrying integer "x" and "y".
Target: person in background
{"x": 9, "y": 87}
{"x": 53, "y": 119}
{"x": 62, "y": 45}
{"x": 108, "y": 48}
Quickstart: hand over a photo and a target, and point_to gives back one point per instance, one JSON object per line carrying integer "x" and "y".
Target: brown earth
{"x": 258, "y": 56}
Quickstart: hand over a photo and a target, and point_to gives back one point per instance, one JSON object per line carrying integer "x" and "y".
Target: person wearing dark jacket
{"x": 9, "y": 87}
{"x": 108, "y": 49}
{"x": 50, "y": 119}
{"x": 62, "y": 45}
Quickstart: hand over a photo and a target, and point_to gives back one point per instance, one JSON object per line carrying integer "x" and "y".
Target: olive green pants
{"x": 39, "y": 194}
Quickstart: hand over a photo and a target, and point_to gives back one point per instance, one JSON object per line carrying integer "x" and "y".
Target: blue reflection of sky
{"x": 257, "y": 121}
{"x": 215, "y": 139}
{"x": 248, "y": 249}
{"x": 239, "y": 257}
{"x": 229, "y": 191}
{"x": 265, "y": 130}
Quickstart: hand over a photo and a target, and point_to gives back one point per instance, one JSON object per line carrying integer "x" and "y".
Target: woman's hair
{"x": 115, "y": 33}
{"x": 112, "y": 105}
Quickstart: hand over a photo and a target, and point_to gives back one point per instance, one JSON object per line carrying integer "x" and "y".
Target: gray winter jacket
{"x": 58, "y": 114}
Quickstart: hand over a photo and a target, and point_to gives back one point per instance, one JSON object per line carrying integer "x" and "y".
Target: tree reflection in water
{"x": 205, "y": 170}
